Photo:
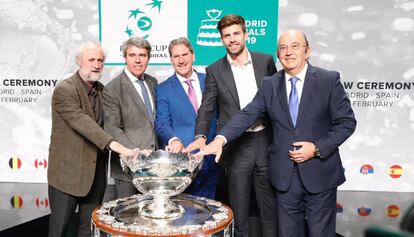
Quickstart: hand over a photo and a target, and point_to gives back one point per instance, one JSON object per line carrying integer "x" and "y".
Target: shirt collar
{"x": 132, "y": 77}
{"x": 234, "y": 63}
{"x": 193, "y": 77}
{"x": 301, "y": 75}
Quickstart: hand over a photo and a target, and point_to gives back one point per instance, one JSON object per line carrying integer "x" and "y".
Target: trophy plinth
{"x": 201, "y": 217}
{"x": 161, "y": 175}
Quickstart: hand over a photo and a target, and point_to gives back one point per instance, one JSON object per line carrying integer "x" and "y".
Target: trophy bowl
{"x": 161, "y": 174}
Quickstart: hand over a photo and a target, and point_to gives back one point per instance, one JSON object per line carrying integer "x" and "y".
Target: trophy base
{"x": 201, "y": 217}
{"x": 160, "y": 210}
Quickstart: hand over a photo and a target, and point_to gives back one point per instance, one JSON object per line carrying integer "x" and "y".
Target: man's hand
{"x": 304, "y": 153}
{"x": 215, "y": 147}
{"x": 175, "y": 146}
{"x": 127, "y": 154}
{"x": 197, "y": 144}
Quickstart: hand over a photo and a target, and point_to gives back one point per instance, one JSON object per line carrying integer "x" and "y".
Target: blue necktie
{"x": 293, "y": 101}
{"x": 146, "y": 97}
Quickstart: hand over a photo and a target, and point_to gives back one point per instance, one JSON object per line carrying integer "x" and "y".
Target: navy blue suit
{"x": 177, "y": 118}
{"x": 325, "y": 118}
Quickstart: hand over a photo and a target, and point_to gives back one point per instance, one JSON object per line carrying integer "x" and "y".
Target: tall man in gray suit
{"x": 76, "y": 172}
{"x": 129, "y": 108}
{"x": 231, "y": 83}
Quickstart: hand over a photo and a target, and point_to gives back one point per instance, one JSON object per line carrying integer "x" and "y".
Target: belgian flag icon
{"x": 15, "y": 163}
{"x": 16, "y": 202}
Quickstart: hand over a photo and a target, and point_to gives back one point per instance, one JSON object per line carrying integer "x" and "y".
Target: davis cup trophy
{"x": 161, "y": 209}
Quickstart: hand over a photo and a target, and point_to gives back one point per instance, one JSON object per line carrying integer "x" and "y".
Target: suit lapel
{"x": 228, "y": 78}
{"x": 283, "y": 98}
{"x": 83, "y": 95}
{"x": 257, "y": 67}
{"x": 306, "y": 92}
{"x": 182, "y": 95}
{"x": 127, "y": 86}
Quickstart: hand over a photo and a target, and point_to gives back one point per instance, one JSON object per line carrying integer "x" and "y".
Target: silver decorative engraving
{"x": 161, "y": 175}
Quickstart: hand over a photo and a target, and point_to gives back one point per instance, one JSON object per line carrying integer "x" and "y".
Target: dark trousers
{"x": 250, "y": 163}
{"x": 301, "y": 212}
{"x": 205, "y": 182}
{"x": 63, "y": 205}
{"x": 124, "y": 189}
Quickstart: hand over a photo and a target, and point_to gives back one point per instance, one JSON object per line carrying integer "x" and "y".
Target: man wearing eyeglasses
{"x": 311, "y": 117}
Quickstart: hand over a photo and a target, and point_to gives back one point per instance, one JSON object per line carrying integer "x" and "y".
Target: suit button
{"x": 152, "y": 145}
{"x": 94, "y": 161}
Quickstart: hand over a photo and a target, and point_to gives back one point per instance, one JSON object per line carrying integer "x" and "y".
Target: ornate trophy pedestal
{"x": 201, "y": 217}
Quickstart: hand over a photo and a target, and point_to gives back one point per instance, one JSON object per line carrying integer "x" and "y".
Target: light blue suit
{"x": 177, "y": 118}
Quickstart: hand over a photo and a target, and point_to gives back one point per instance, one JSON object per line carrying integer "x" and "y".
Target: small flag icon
{"x": 15, "y": 163}
{"x": 40, "y": 163}
{"x": 396, "y": 171}
{"x": 393, "y": 211}
{"x": 364, "y": 211}
{"x": 339, "y": 208}
{"x": 42, "y": 202}
{"x": 366, "y": 169}
{"x": 16, "y": 202}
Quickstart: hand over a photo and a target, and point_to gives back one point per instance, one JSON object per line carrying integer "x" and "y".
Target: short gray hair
{"x": 87, "y": 45}
{"x": 138, "y": 42}
{"x": 182, "y": 40}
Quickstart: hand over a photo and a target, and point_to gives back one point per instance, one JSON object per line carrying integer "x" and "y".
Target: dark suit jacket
{"x": 76, "y": 138}
{"x": 325, "y": 118}
{"x": 221, "y": 90}
{"x": 126, "y": 117}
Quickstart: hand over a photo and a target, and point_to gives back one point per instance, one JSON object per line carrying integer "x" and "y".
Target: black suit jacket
{"x": 221, "y": 92}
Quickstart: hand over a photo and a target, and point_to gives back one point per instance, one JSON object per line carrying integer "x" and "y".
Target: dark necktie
{"x": 146, "y": 97}
{"x": 96, "y": 105}
{"x": 293, "y": 101}
{"x": 192, "y": 95}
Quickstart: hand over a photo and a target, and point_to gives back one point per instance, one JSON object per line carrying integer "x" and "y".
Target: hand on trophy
{"x": 197, "y": 144}
{"x": 145, "y": 152}
{"x": 215, "y": 147}
{"x": 175, "y": 146}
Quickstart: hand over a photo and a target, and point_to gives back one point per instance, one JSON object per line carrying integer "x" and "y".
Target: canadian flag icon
{"x": 42, "y": 202}
{"x": 40, "y": 163}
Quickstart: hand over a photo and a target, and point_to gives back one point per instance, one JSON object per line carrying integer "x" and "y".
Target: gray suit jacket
{"x": 76, "y": 138}
{"x": 126, "y": 117}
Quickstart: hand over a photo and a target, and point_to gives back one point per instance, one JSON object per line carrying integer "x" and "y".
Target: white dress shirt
{"x": 246, "y": 85}
{"x": 299, "y": 84}
{"x": 138, "y": 87}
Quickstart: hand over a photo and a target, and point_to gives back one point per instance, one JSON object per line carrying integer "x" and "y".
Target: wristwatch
{"x": 318, "y": 153}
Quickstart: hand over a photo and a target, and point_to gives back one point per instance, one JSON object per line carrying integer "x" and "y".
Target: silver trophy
{"x": 161, "y": 175}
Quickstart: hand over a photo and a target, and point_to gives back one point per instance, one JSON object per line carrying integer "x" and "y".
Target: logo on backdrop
{"x": 40, "y": 163}
{"x": 157, "y": 21}
{"x": 364, "y": 211}
{"x": 396, "y": 171}
{"x": 16, "y": 202}
{"x": 392, "y": 211}
{"x": 208, "y": 34}
{"x": 15, "y": 163}
{"x": 366, "y": 169}
{"x": 139, "y": 22}
{"x": 261, "y": 26}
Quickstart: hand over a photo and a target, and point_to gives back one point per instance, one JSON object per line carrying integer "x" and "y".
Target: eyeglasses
{"x": 294, "y": 47}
